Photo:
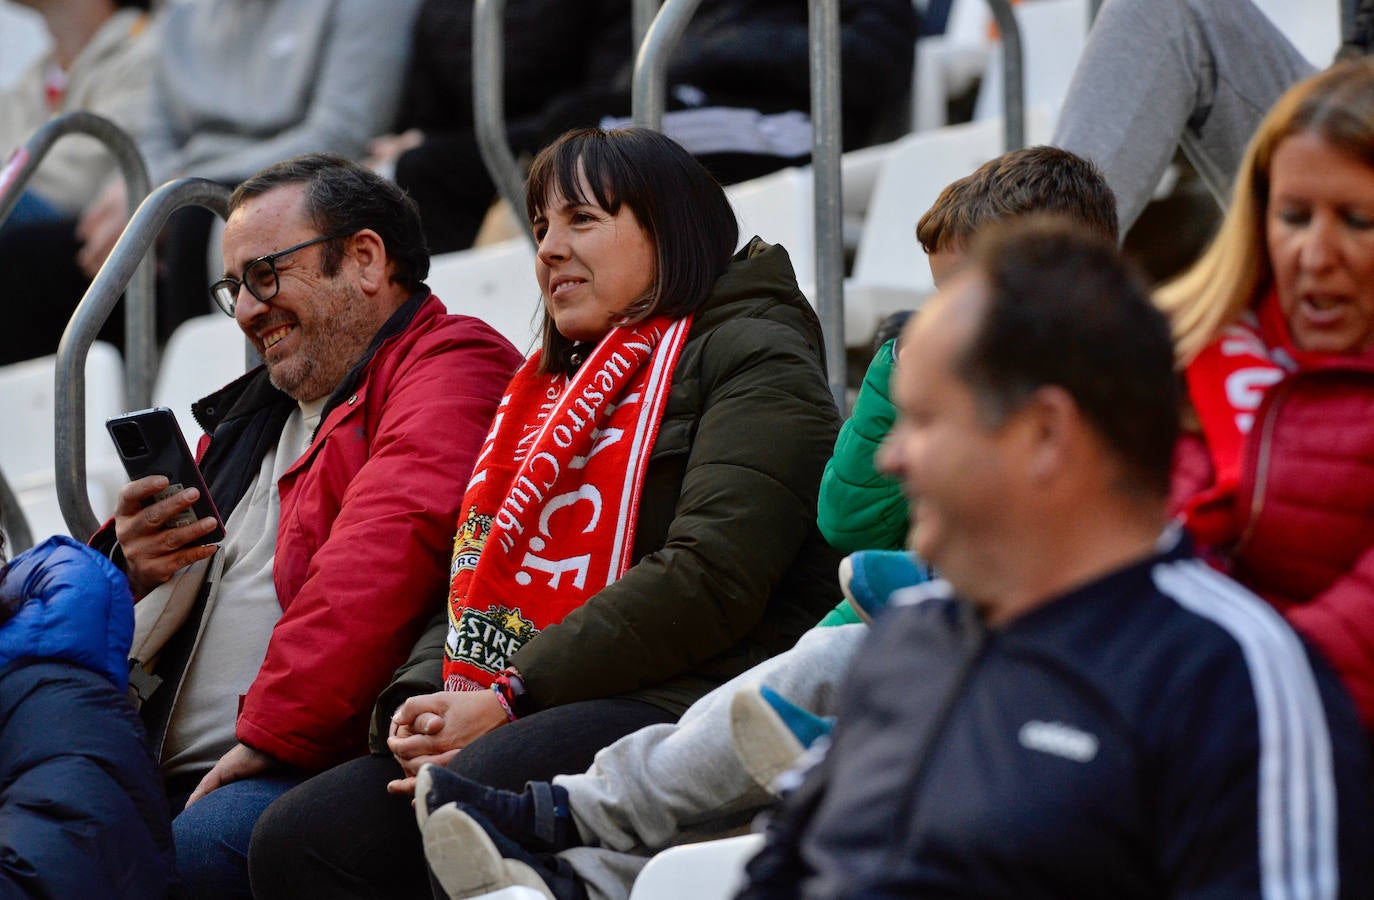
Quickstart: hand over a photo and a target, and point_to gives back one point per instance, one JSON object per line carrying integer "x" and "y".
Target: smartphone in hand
{"x": 150, "y": 442}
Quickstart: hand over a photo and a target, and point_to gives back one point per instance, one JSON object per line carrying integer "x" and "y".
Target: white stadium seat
{"x": 27, "y": 455}
{"x": 1053, "y": 34}
{"x": 779, "y": 208}
{"x": 1313, "y": 26}
{"x": 201, "y": 356}
{"x": 710, "y": 870}
{"x": 494, "y": 283}
{"x": 890, "y": 270}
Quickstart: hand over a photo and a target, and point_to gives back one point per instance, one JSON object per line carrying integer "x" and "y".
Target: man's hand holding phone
{"x": 153, "y": 552}
{"x": 163, "y": 519}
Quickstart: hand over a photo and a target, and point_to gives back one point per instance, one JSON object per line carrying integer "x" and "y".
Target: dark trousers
{"x": 43, "y": 284}
{"x": 42, "y": 287}
{"x": 183, "y": 279}
{"x": 341, "y": 835}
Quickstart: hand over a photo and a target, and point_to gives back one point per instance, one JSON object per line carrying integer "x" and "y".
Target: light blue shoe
{"x": 805, "y": 725}
{"x": 869, "y": 578}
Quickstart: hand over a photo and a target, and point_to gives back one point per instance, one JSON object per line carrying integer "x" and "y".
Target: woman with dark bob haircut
{"x": 640, "y": 527}
{"x": 669, "y": 193}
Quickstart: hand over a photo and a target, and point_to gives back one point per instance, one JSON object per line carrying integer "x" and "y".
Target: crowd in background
{"x": 218, "y": 89}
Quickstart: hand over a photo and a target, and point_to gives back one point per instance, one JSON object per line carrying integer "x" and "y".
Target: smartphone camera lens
{"x": 129, "y": 438}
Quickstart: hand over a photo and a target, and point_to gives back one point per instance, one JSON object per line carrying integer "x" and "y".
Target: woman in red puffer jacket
{"x": 1275, "y": 334}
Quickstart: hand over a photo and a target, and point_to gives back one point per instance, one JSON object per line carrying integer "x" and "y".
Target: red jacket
{"x": 368, "y": 515}
{"x": 1307, "y": 512}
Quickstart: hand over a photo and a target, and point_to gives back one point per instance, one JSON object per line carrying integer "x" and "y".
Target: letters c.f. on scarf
{"x": 548, "y": 518}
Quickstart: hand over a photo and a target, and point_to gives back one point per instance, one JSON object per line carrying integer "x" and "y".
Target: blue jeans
{"x": 31, "y": 209}
{"x": 211, "y": 836}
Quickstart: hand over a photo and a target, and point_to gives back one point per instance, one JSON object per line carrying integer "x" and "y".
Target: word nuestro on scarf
{"x": 1226, "y": 383}
{"x": 549, "y": 516}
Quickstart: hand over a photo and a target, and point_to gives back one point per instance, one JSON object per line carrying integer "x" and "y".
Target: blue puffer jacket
{"x": 82, "y": 813}
{"x": 76, "y": 608}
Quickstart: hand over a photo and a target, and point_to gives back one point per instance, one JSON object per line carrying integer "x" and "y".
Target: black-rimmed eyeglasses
{"x": 259, "y": 276}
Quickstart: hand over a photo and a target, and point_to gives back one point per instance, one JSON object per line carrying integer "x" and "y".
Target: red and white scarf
{"x": 549, "y": 516}
{"x": 1226, "y": 383}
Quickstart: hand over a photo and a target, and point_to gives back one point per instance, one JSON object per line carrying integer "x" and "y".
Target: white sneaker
{"x": 465, "y": 861}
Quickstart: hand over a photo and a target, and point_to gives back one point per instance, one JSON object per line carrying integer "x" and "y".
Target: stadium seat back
{"x": 495, "y": 283}
{"x": 710, "y": 870}
{"x": 27, "y": 449}
{"x": 201, "y": 356}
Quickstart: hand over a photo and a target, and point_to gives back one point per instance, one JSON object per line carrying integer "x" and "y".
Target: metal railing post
{"x": 1013, "y": 82}
{"x": 16, "y": 524}
{"x": 651, "y": 62}
{"x": 644, "y": 12}
{"x": 489, "y": 103}
{"x": 85, "y": 324}
{"x": 140, "y": 309}
{"x": 826, "y": 141}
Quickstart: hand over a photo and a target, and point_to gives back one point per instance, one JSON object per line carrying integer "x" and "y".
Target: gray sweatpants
{"x": 665, "y": 784}
{"x": 1156, "y": 74}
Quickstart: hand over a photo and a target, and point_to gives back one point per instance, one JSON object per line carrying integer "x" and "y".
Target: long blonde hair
{"x": 1338, "y": 106}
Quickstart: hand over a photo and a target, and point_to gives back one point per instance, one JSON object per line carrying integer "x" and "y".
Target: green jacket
{"x": 731, "y": 566}
{"x": 860, "y": 508}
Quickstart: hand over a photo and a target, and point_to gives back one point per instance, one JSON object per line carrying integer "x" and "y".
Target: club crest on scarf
{"x": 551, "y": 507}
{"x": 487, "y": 637}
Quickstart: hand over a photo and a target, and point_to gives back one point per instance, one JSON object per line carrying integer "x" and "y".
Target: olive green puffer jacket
{"x": 731, "y": 568}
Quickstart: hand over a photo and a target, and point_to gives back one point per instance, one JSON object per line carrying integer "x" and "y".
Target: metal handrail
{"x": 648, "y": 100}
{"x": 1013, "y": 82}
{"x": 489, "y": 103}
{"x": 826, "y": 147}
{"x": 140, "y": 309}
{"x": 16, "y": 524}
{"x": 643, "y": 16}
{"x": 85, "y": 324}
{"x": 651, "y": 62}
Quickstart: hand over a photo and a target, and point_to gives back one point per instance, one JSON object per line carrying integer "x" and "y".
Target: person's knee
{"x": 1131, "y": 19}
{"x": 212, "y": 837}
{"x": 291, "y": 834}
{"x": 1141, "y": 7}
{"x": 205, "y": 848}
{"x": 338, "y": 829}
{"x": 485, "y": 762}
{"x": 273, "y": 857}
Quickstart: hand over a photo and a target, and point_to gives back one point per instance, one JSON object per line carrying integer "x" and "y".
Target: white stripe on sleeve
{"x": 1297, "y": 804}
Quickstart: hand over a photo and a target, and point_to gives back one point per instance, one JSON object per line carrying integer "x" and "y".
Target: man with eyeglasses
{"x": 338, "y": 467}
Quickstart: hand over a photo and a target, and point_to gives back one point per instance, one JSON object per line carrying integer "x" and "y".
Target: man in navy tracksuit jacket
{"x": 1097, "y": 714}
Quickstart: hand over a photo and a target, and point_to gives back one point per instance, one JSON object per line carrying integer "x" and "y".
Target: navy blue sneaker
{"x": 470, "y": 857}
{"x": 538, "y": 817}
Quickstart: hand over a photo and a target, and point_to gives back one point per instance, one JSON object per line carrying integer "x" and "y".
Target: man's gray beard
{"x": 291, "y": 384}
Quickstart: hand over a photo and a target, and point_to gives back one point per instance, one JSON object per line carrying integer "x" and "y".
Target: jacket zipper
{"x": 910, "y": 802}
{"x": 1273, "y": 401}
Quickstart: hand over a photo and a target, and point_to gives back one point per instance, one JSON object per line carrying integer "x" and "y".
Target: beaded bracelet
{"x": 505, "y": 704}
